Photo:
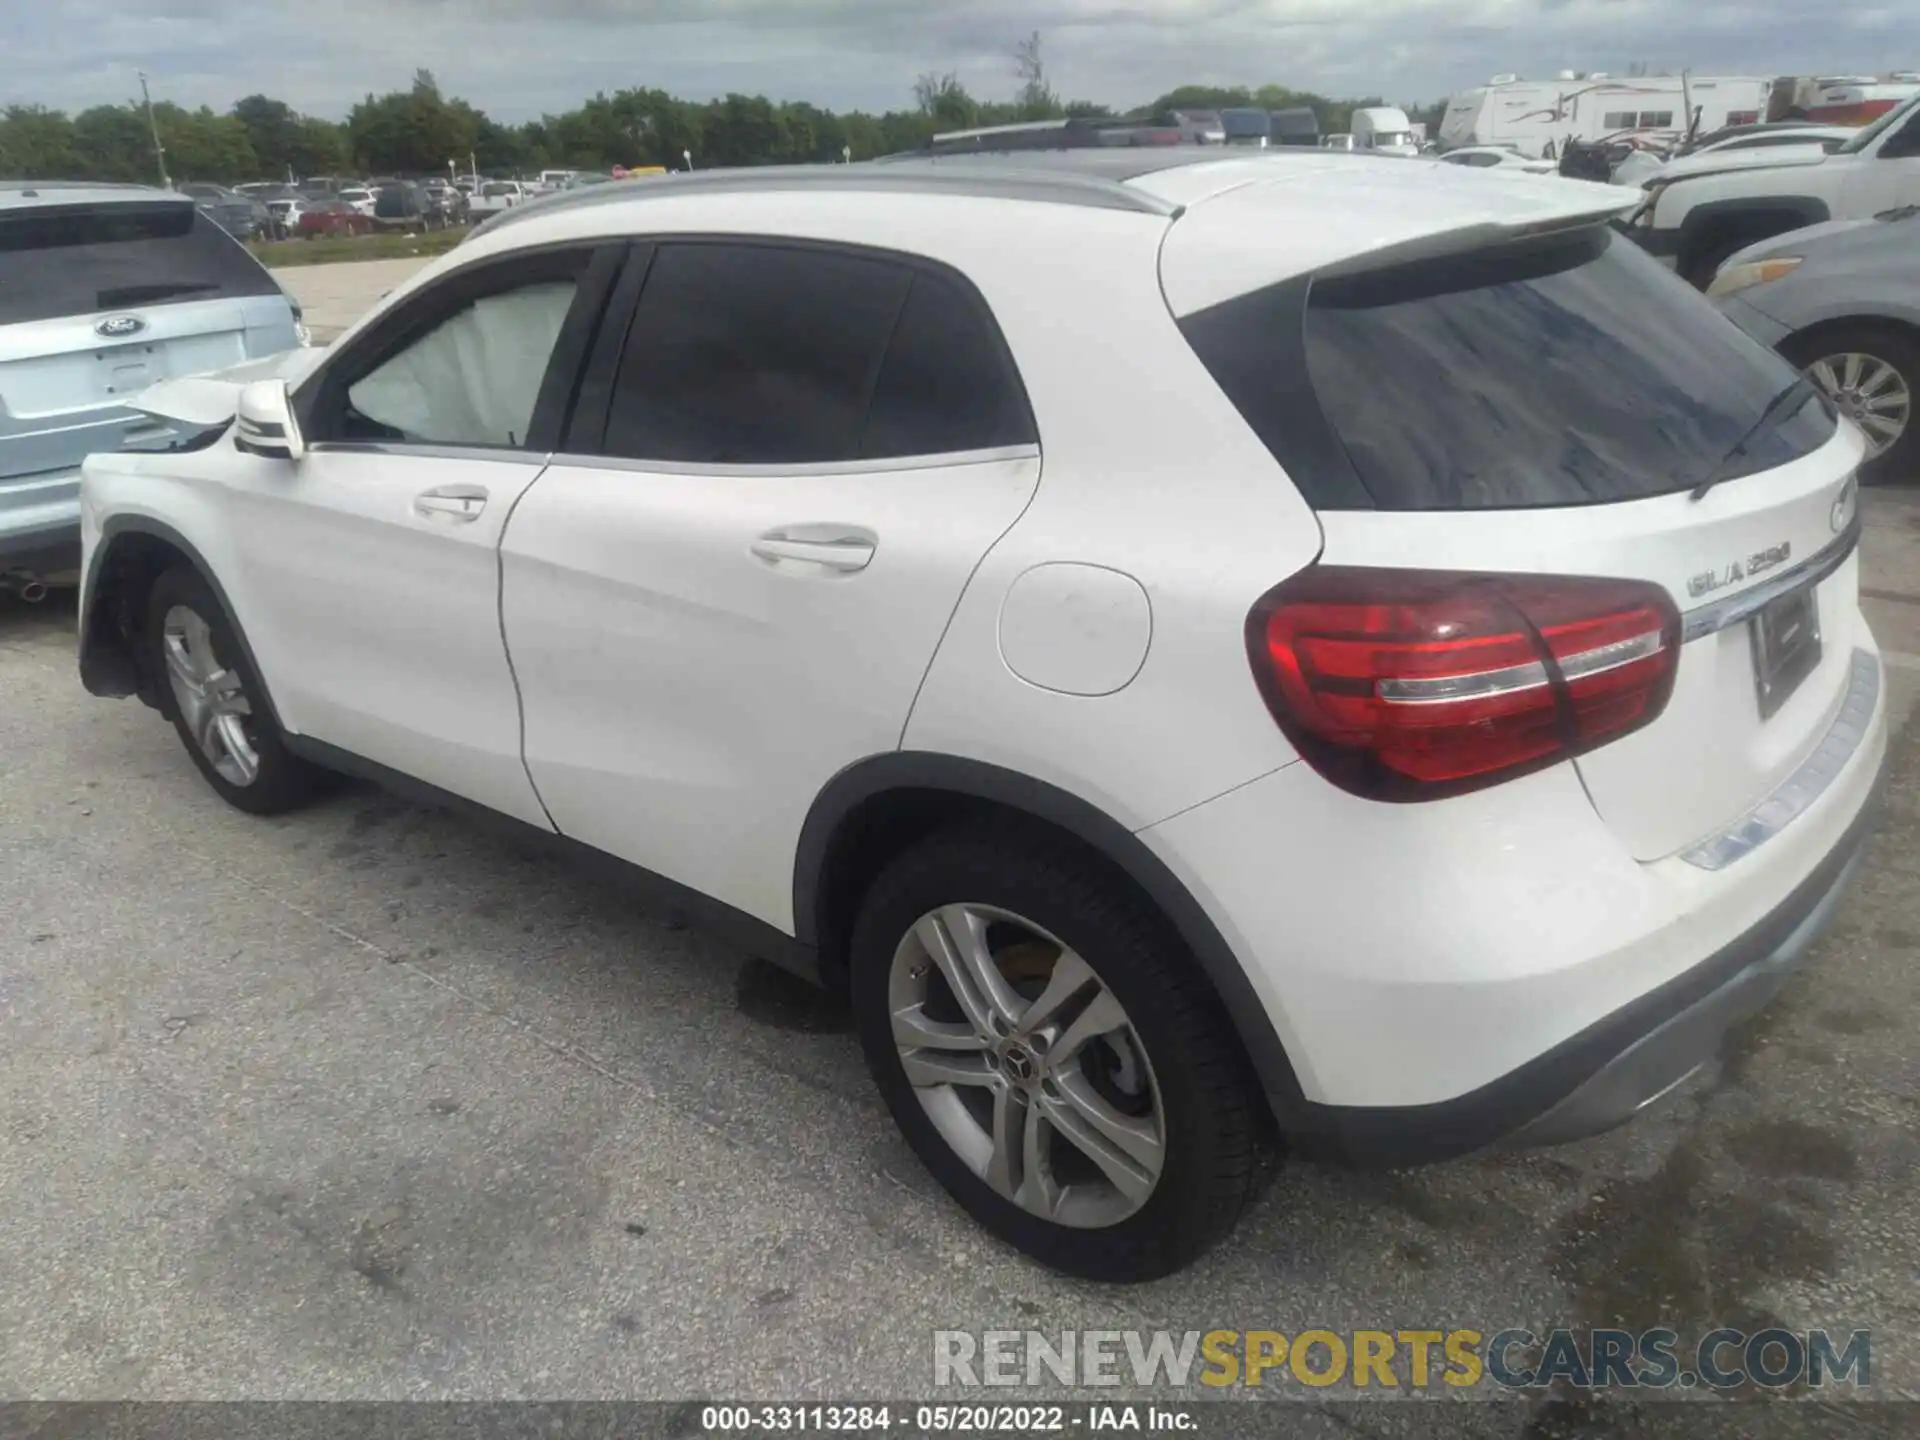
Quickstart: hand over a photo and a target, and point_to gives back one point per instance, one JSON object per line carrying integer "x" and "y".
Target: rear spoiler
{"x": 1486, "y": 236}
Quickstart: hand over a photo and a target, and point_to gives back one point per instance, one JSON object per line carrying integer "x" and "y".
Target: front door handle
{"x": 451, "y": 503}
{"x": 841, "y": 548}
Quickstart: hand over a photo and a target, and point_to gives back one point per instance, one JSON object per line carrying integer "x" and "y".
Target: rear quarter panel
{"x": 1147, "y": 470}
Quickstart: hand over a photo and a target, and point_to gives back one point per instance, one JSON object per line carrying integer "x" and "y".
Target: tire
{"x": 1884, "y": 344}
{"x": 192, "y": 651}
{"x": 1171, "y": 1071}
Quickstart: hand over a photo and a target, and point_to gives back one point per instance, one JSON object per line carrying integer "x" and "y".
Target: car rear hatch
{"x": 101, "y": 300}
{"x": 1547, "y": 402}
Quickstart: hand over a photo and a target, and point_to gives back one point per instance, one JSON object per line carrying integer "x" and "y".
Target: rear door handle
{"x": 451, "y": 503}
{"x": 842, "y": 548}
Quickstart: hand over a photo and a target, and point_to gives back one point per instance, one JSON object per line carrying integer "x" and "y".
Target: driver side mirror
{"x": 264, "y": 423}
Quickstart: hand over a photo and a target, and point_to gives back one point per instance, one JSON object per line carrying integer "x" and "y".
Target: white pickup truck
{"x": 1696, "y": 220}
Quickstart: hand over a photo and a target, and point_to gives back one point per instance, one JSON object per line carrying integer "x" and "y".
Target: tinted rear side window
{"x": 753, "y": 355}
{"x": 1570, "y": 372}
{"x": 57, "y": 262}
{"x": 749, "y": 354}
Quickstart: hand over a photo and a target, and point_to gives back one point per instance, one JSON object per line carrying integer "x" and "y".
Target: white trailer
{"x": 1533, "y": 115}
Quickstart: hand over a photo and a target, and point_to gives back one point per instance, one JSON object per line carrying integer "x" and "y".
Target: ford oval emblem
{"x": 117, "y": 327}
{"x": 1841, "y": 516}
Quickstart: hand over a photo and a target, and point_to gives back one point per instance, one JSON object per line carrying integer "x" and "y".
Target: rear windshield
{"x": 57, "y": 262}
{"x": 1566, "y": 372}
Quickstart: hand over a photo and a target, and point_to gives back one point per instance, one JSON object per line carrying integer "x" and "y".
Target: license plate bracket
{"x": 1786, "y": 646}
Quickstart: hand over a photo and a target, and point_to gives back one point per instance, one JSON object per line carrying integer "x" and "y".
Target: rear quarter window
{"x": 79, "y": 261}
{"x": 1568, "y": 372}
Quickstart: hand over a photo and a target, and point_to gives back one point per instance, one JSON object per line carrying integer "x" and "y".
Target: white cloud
{"x": 519, "y": 58}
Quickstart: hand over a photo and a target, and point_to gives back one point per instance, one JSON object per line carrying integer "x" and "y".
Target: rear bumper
{"x": 1655, "y": 1055}
{"x": 1447, "y": 979}
{"x": 43, "y": 538}
{"x": 1615, "y": 1067}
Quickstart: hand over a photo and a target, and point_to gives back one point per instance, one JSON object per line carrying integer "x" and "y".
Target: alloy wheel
{"x": 1027, "y": 1065}
{"x": 1870, "y": 392}
{"x": 211, "y": 697}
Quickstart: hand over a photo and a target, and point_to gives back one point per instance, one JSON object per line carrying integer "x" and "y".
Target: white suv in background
{"x": 1183, "y": 639}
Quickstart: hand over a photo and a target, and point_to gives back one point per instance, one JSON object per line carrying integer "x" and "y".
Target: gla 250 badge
{"x": 1707, "y": 581}
{"x": 118, "y": 327}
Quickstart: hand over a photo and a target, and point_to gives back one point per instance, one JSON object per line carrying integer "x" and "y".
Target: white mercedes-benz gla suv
{"x": 1195, "y": 646}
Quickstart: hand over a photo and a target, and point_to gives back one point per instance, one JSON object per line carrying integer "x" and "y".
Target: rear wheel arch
{"x": 875, "y": 809}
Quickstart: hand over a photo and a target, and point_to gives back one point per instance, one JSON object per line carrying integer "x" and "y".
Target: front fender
{"x": 130, "y": 507}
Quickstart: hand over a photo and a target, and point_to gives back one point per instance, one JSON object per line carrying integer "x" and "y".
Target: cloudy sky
{"x": 519, "y": 58}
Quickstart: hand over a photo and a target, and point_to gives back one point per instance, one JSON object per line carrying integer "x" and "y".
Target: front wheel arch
{"x": 132, "y": 553}
{"x": 1803, "y": 347}
{"x": 1716, "y": 229}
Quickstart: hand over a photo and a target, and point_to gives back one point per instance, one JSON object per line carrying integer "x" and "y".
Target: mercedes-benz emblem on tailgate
{"x": 116, "y": 327}
{"x": 1844, "y": 505}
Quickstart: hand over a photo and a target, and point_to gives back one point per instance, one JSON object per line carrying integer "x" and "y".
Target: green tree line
{"x": 418, "y": 130}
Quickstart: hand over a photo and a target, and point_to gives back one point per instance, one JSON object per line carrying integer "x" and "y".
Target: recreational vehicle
{"x": 1535, "y": 115}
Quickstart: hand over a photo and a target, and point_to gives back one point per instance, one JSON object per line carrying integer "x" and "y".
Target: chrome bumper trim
{"x": 1808, "y": 783}
{"x": 1719, "y": 614}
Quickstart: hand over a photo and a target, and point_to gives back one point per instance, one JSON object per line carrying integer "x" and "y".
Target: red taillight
{"x": 1414, "y": 684}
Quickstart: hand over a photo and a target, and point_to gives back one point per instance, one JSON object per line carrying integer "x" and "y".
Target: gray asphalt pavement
{"x": 368, "y": 1103}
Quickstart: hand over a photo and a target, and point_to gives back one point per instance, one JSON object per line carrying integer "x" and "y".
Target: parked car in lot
{"x": 1490, "y": 157}
{"x": 105, "y": 290}
{"x": 284, "y": 205}
{"x": 1842, "y": 301}
{"x": 446, "y": 204}
{"x": 400, "y": 205}
{"x": 332, "y": 217}
{"x": 234, "y": 213}
{"x": 322, "y": 187}
{"x": 1424, "y": 696}
{"x": 495, "y": 196}
{"x": 1696, "y": 219}
{"x": 1761, "y": 144}
{"x": 360, "y": 197}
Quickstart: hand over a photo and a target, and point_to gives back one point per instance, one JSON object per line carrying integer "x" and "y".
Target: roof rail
{"x": 12, "y": 184}
{"x": 911, "y": 173}
{"x": 1076, "y": 132}
{"x": 1025, "y": 127}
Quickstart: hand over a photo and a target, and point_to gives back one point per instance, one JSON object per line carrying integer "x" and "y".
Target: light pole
{"x": 159, "y": 150}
